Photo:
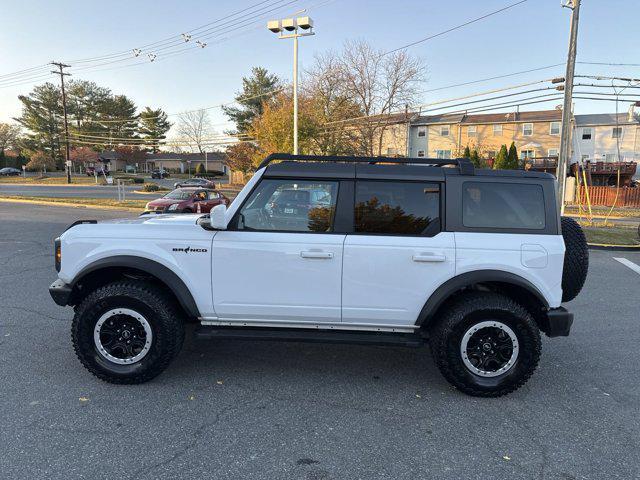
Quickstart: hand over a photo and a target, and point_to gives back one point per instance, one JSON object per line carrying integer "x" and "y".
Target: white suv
{"x": 382, "y": 251}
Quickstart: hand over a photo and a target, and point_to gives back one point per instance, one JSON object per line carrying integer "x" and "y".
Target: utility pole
{"x": 62, "y": 74}
{"x": 565, "y": 133}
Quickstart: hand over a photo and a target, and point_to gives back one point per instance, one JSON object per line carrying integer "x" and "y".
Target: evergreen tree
{"x": 500, "y": 162}
{"x": 466, "y": 153}
{"x": 153, "y": 127}
{"x": 255, "y": 92}
{"x": 200, "y": 169}
{"x": 512, "y": 158}
{"x": 475, "y": 159}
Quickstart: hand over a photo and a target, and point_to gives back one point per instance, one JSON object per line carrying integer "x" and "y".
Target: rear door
{"x": 397, "y": 255}
{"x": 280, "y": 261}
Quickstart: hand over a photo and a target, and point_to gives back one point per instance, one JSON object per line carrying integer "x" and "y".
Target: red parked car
{"x": 187, "y": 200}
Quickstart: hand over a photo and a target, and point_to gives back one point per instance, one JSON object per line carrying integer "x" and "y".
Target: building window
{"x": 444, "y": 130}
{"x": 421, "y": 153}
{"x": 392, "y": 151}
{"x": 610, "y": 157}
{"x": 491, "y": 153}
{"x": 471, "y": 130}
{"x": 524, "y": 154}
{"x": 422, "y": 131}
{"x": 616, "y": 132}
{"x": 527, "y": 129}
{"x": 497, "y": 129}
{"x": 443, "y": 153}
{"x": 554, "y": 128}
{"x": 586, "y": 133}
{"x": 553, "y": 152}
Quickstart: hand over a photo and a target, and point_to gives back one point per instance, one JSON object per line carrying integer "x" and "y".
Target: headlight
{"x": 173, "y": 207}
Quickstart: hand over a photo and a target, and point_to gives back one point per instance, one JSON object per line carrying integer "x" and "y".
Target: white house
{"x": 606, "y": 137}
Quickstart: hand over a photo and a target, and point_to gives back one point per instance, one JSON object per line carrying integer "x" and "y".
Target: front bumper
{"x": 60, "y": 292}
{"x": 558, "y": 322}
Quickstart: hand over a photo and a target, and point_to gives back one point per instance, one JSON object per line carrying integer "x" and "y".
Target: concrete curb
{"x": 614, "y": 248}
{"x": 66, "y": 185}
{"x": 68, "y": 204}
{"x": 159, "y": 192}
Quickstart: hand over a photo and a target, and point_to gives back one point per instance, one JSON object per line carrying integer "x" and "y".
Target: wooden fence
{"x": 606, "y": 196}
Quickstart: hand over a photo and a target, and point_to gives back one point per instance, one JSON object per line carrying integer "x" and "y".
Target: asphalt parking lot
{"x": 254, "y": 410}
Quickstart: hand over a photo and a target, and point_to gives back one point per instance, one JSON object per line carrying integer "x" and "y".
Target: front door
{"x": 397, "y": 256}
{"x": 279, "y": 260}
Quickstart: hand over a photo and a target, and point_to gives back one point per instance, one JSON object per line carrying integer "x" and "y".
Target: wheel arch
{"x": 104, "y": 270}
{"x": 510, "y": 284}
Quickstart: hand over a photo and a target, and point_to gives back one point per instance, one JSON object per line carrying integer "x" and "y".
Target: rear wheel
{"x": 486, "y": 344}
{"x": 127, "y": 331}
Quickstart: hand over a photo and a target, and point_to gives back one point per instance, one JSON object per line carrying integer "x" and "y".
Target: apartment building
{"x": 536, "y": 134}
{"x": 606, "y": 137}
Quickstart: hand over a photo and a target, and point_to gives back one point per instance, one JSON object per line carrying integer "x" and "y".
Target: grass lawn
{"x": 612, "y": 235}
{"x": 601, "y": 211}
{"x": 76, "y": 180}
{"x": 88, "y": 202}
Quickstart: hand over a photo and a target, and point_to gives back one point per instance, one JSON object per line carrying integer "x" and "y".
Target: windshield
{"x": 178, "y": 195}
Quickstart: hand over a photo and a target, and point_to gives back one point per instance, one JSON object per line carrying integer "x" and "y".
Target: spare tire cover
{"x": 576, "y": 259}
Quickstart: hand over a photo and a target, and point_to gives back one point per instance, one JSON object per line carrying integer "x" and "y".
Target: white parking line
{"x": 629, "y": 264}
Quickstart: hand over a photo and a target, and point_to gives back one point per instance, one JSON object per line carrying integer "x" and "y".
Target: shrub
{"x": 500, "y": 162}
{"x": 138, "y": 180}
{"x": 150, "y": 187}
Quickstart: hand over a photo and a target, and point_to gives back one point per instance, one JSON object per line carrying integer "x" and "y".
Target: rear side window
{"x": 503, "y": 205}
{"x": 397, "y": 208}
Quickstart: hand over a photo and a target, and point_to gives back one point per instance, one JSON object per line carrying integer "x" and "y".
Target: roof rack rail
{"x": 464, "y": 164}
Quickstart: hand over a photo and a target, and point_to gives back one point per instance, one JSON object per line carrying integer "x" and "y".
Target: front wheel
{"x": 486, "y": 344}
{"x": 127, "y": 331}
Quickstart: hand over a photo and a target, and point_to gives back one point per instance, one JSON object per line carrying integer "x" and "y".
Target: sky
{"x": 531, "y": 35}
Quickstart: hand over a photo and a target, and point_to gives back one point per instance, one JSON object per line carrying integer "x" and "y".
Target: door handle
{"x": 429, "y": 257}
{"x": 315, "y": 254}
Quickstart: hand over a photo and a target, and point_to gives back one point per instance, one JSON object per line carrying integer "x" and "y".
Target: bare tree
{"x": 381, "y": 85}
{"x": 195, "y": 127}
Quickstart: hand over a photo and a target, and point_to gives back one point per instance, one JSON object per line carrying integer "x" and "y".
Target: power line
{"x": 455, "y": 28}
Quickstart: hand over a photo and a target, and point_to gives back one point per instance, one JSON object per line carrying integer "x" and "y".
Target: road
{"x": 63, "y": 191}
{"x": 262, "y": 410}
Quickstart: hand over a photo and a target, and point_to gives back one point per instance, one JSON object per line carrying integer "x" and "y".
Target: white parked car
{"x": 385, "y": 251}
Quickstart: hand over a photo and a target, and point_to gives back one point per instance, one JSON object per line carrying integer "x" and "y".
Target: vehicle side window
{"x": 397, "y": 208}
{"x": 290, "y": 205}
{"x": 503, "y": 205}
{"x": 213, "y": 195}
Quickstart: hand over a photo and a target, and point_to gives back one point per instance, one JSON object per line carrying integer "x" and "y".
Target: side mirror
{"x": 218, "y": 217}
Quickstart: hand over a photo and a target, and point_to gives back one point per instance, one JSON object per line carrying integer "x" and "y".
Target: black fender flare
{"x": 152, "y": 267}
{"x": 444, "y": 291}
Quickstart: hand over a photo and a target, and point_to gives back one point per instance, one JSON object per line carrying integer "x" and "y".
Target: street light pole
{"x": 295, "y": 94}
{"x": 293, "y": 25}
{"x": 565, "y": 133}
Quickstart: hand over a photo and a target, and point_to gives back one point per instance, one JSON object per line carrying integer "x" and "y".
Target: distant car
{"x": 9, "y": 171}
{"x": 92, "y": 171}
{"x": 160, "y": 173}
{"x": 196, "y": 182}
{"x": 187, "y": 200}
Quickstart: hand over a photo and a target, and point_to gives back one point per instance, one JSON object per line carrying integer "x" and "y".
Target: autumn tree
{"x": 41, "y": 161}
{"x": 241, "y": 157}
{"x": 153, "y": 126}
{"x": 257, "y": 90}
{"x": 195, "y": 126}
{"x": 80, "y": 156}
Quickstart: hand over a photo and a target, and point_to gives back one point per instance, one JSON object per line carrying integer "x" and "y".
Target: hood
{"x": 165, "y": 201}
{"x": 162, "y": 219}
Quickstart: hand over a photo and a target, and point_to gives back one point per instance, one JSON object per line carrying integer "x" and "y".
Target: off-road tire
{"x": 150, "y": 300}
{"x": 576, "y": 259}
{"x": 472, "y": 308}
